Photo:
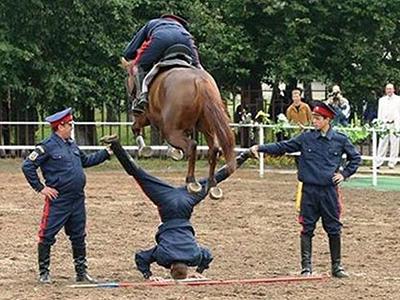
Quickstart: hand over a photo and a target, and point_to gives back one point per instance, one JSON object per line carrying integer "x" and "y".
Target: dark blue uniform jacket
{"x": 321, "y": 156}
{"x": 161, "y": 33}
{"x": 61, "y": 163}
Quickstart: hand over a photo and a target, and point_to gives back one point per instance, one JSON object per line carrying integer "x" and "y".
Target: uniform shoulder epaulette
{"x": 309, "y": 130}
{"x": 341, "y": 133}
{"x": 45, "y": 141}
{"x": 40, "y": 149}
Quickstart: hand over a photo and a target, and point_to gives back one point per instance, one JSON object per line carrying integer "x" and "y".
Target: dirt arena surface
{"x": 252, "y": 233}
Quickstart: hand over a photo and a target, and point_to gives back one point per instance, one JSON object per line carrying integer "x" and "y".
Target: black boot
{"x": 139, "y": 105}
{"x": 242, "y": 157}
{"x": 79, "y": 255}
{"x": 335, "y": 249}
{"x": 306, "y": 254}
{"x": 44, "y": 263}
{"x": 127, "y": 162}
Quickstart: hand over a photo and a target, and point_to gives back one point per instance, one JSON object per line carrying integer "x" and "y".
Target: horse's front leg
{"x": 143, "y": 150}
{"x": 192, "y": 185}
{"x": 215, "y": 192}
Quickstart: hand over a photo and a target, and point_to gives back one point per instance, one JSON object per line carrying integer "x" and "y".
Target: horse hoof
{"x": 145, "y": 151}
{"x": 194, "y": 187}
{"x": 216, "y": 193}
{"x": 175, "y": 154}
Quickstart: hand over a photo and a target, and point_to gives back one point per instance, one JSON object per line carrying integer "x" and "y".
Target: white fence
{"x": 260, "y": 127}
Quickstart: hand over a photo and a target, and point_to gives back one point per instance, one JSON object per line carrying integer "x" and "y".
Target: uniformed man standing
{"x": 62, "y": 163}
{"x": 177, "y": 248}
{"x": 319, "y": 171}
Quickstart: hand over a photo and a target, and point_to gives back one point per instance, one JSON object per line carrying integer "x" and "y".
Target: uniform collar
{"x": 328, "y": 135}
{"x": 58, "y": 139}
{"x": 301, "y": 104}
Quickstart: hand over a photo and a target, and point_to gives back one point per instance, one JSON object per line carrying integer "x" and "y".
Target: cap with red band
{"x": 324, "y": 110}
{"x": 180, "y": 19}
{"x": 61, "y": 117}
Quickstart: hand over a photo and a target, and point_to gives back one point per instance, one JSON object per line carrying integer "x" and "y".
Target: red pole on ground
{"x": 201, "y": 282}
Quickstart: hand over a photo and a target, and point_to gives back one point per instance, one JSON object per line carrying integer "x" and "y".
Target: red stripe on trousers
{"x": 140, "y": 51}
{"x": 300, "y": 219}
{"x": 340, "y": 201}
{"x": 45, "y": 218}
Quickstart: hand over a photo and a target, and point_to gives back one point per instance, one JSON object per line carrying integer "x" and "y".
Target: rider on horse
{"x": 148, "y": 45}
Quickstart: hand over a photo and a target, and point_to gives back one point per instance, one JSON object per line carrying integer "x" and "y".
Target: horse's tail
{"x": 217, "y": 119}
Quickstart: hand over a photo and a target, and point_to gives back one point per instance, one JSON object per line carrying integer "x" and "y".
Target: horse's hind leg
{"x": 180, "y": 140}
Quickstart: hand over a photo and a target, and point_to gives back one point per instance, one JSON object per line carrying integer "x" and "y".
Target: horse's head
{"x": 130, "y": 79}
{"x": 137, "y": 121}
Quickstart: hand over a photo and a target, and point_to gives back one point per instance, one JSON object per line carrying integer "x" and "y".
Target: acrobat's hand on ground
{"x": 254, "y": 152}
{"x": 156, "y": 279}
{"x": 196, "y": 276}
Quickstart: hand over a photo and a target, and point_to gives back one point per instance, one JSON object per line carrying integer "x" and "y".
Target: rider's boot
{"x": 141, "y": 101}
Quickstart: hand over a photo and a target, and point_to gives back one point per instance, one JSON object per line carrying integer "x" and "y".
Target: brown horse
{"x": 182, "y": 100}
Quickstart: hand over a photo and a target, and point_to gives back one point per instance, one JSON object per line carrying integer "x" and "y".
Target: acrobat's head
{"x": 179, "y": 270}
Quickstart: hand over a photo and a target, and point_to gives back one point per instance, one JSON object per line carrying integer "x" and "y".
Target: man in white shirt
{"x": 389, "y": 115}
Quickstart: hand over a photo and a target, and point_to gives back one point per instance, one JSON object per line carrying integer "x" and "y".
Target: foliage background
{"x": 56, "y": 53}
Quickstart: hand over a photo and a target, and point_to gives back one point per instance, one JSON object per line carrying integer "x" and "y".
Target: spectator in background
{"x": 241, "y": 116}
{"x": 298, "y": 112}
{"x": 341, "y": 106}
{"x": 279, "y": 104}
{"x": 237, "y": 116}
{"x": 370, "y": 108}
{"x": 389, "y": 116}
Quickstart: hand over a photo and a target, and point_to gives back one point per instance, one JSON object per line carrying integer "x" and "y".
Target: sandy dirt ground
{"x": 252, "y": 232}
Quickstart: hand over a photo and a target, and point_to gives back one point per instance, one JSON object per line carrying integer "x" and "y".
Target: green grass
{"x": 385, "y": 183}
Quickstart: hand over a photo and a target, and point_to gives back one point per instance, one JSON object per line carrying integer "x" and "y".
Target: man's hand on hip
{"x": 49, "y": 192}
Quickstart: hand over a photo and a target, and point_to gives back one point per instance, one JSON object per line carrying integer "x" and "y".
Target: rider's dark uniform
{"x": 149, "y": 44}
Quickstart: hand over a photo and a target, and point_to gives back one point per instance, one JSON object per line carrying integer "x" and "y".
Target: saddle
{"x": 178, "y": 55}
{"x": 178, "y": 51}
